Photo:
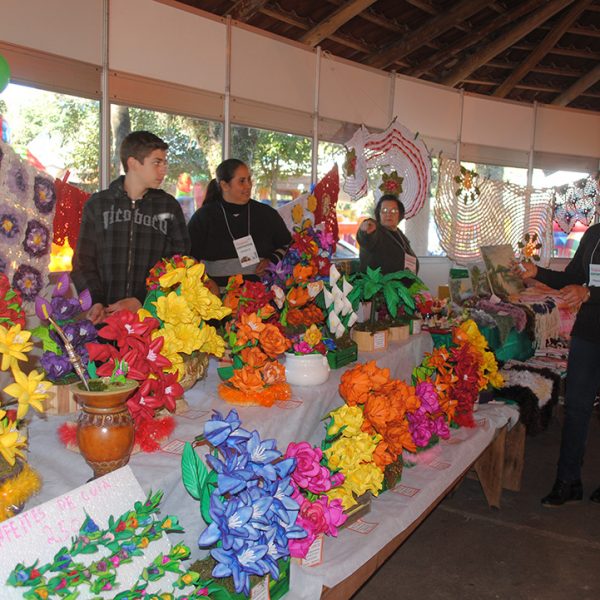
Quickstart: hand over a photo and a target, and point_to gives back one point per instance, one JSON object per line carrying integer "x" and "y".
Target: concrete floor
{"x": 465, "y": 550}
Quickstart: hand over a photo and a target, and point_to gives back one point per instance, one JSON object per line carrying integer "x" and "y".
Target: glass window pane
{"x": 195, "y": 148}
{"x": 56, "y": 132}
{"x": 280, "y": 162}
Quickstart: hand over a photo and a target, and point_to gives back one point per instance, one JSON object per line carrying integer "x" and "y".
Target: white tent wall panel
{"x": 429, "y": 109}
{"x": 497, "y": 123}
{"x": 265, "y": 69}
{"x": 155, "y": 40}
{"x": 354, "y": 94}
{"x": 567, "y": 131}
{"x": 70, "y": 28}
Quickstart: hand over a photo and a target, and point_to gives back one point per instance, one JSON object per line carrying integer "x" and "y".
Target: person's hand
{"x": 132, "y": 304}
{"x": 368, "y": 226}
{"x": 261, "y": 267}
{"x": 574, "y": 295}
{"x": 212, "y": 286}
{"x": 96, "y": 313}
{"x": 524, "y": 270}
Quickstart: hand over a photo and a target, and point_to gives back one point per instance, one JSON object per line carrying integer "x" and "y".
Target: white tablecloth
{"x": 297, "y": 420}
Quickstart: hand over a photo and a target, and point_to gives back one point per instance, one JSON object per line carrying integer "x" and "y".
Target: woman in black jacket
{"x": 382, "y": 244}
{"x": 580, "y": 286}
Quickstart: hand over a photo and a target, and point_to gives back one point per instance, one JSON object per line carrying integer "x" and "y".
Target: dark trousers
{"x": 583, "y": 381}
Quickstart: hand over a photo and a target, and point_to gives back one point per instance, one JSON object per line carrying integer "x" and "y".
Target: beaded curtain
{"x": 496, "y": 215}
{"x": 395, "y": 149}
{"x": 578, "y": 201}
{"x": 27, "y": 205}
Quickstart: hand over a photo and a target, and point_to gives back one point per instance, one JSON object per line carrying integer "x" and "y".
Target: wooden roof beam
{"x": 333, "y": 22}
{"x": 548, "y": 42}
{"x": 587, "y": 81}
{"x": 244, "y": 10}
{"x": 429, "y": 31}
{"x": 485, "y": 54}
{"x": 475, "y": 36}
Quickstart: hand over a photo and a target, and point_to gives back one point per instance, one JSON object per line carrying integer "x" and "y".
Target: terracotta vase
{"x": 105, "y": 428}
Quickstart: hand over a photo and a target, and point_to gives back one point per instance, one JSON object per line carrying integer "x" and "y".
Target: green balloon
{"x": 4, "y": 73}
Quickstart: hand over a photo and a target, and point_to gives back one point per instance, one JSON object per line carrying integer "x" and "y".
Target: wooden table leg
{"x": 514, "y": 458}
{"x": 489, "y": 468}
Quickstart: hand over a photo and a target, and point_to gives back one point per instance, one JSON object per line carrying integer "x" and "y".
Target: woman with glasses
{"x": 382, "y": 244}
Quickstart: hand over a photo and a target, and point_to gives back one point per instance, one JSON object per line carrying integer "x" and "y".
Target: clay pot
{"x": 306, "y": 369}
{"x": 105, "y": 428}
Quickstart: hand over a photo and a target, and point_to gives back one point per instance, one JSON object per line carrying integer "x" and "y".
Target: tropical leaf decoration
{"x": 397, "y": 289}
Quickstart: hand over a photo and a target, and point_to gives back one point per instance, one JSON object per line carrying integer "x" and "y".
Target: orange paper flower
{"x": 272, "y": 341}
{"x": 273, "y": 372}
{"x": 247, "y": 379}
{"x": 358, "y": 382}
{"x": 297, "y": 297}
{"x": 265, "y": 397}
{"x": 249, "y": 329}
{"x": 253, "y": 357}
{"x": 303, "y": 273}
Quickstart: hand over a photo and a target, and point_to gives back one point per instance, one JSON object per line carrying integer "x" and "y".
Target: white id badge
{"x": 246, "y": 251}
{"x": 410, "y": 263}
{"x": 594, "y": 275}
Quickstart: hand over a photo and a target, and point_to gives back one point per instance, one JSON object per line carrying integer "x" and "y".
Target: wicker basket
{"x": 195, "y": 368}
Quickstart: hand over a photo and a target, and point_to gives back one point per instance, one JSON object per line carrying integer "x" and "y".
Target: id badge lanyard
{"x": 244, "y": 246}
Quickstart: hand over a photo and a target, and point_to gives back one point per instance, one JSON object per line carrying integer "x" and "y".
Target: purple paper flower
{"x": 429, "y": 397}
{"x": 37, "y": 239}
{"x": 64, "y": 308}
{"x": 18, "y": 182}
{"x": 9, "y": 226}
{"x": 28, "y": 280}
{"x": 44, "y": 195}
{"x": 420, "y": 427}
{"x": 440, "y": 428}
{"x": 56, "y": 366}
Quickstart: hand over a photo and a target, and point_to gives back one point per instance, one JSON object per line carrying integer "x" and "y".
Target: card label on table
{"x": 439, "y": 465}
{"x": 379, "y": 340}
{"x": 314, "y": 556}
{"x": 290, "y": 404}
{"x": 363, "y": 527}
{"x": 174, "y": 447}
{"x": 405, "y": 490}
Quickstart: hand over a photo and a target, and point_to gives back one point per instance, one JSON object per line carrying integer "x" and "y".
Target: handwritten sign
{"x": 43, "y": 530}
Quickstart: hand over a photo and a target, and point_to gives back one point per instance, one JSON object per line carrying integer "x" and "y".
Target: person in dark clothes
{"x": 127, "y": 228}
{"x": 233, "y": 234}
{"x": 382, "y": 244}
{"x": 580, "y": 287}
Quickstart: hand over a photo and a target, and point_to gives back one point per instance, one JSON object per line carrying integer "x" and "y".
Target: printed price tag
{"x": 314, "y": 556}
{"x": 261, "y": 590}
{"x": 379, "y": 340}
{"x": 405, "y": 490}
{"x": 174, "y": 447}
{"x": 363, "y": 527}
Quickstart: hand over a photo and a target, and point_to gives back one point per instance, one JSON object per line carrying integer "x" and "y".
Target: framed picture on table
{"x": 503, "y": 281}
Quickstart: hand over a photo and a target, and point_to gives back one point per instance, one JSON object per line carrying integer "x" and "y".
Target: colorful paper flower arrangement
{"x": 256, "y": 340}
{"x": 27, "y": 391}
{"x": 71, "y": 571}
{"x": 246, "y": 499}
{"x": 64, "y": 309}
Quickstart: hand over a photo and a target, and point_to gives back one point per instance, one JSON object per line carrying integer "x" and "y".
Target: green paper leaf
{"x": 48, "y": 344}
{"x": 193, "y": 472}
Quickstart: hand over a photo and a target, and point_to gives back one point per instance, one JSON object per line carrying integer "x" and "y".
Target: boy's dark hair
{"x": 388, "y": 197}
{"x": 225, "y": 172}
{"x": 140, "y": 144}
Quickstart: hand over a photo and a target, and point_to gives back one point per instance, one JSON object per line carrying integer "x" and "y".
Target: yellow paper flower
{"x": 202, "y": 301}
{"x": 142, "y": 314}
{"x": 174, "y": 309}
{"x": 212, "y": 342}
{"x": 350, "y": 417}
{"x": 29, "y": 390}
{"x": 172, "y": 344}
{"x": 344, "y": 494}
{"x": 313, "y": 335}
{"x": 11, "y": 443}
{"x": 297, "y": 213}
{"x": 366, "y": 477}
{"x": 347, "y": 453}
{"x": 14, "y": 343}
{"x": 474, "y": 336}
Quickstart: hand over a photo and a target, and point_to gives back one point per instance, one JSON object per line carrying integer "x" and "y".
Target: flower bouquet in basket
{"x": 18, "y": 481}
{"x": 246, "y": 500}
{"x": 181, "y": 302}
{"x": 256, "y": 339}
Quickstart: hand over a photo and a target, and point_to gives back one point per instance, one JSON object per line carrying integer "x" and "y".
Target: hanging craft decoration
{"x": 400, "y": 154}
{"x": 529, "y": 248}
{"x": 28, "y": 202}
{"x": 578, "y": 201}
{"x": 391, "y": 184}
{"x": 500, "y": 214}
{"x": 468, "y": 190}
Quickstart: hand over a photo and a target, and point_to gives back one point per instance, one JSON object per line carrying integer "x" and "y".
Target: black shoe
{"x": 595, "y": 497}
{"x": 563, "y": 492}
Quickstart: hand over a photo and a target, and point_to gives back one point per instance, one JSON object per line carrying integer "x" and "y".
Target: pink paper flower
{"x": 309, "y": 474}
{"x": 429, "y": 397}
